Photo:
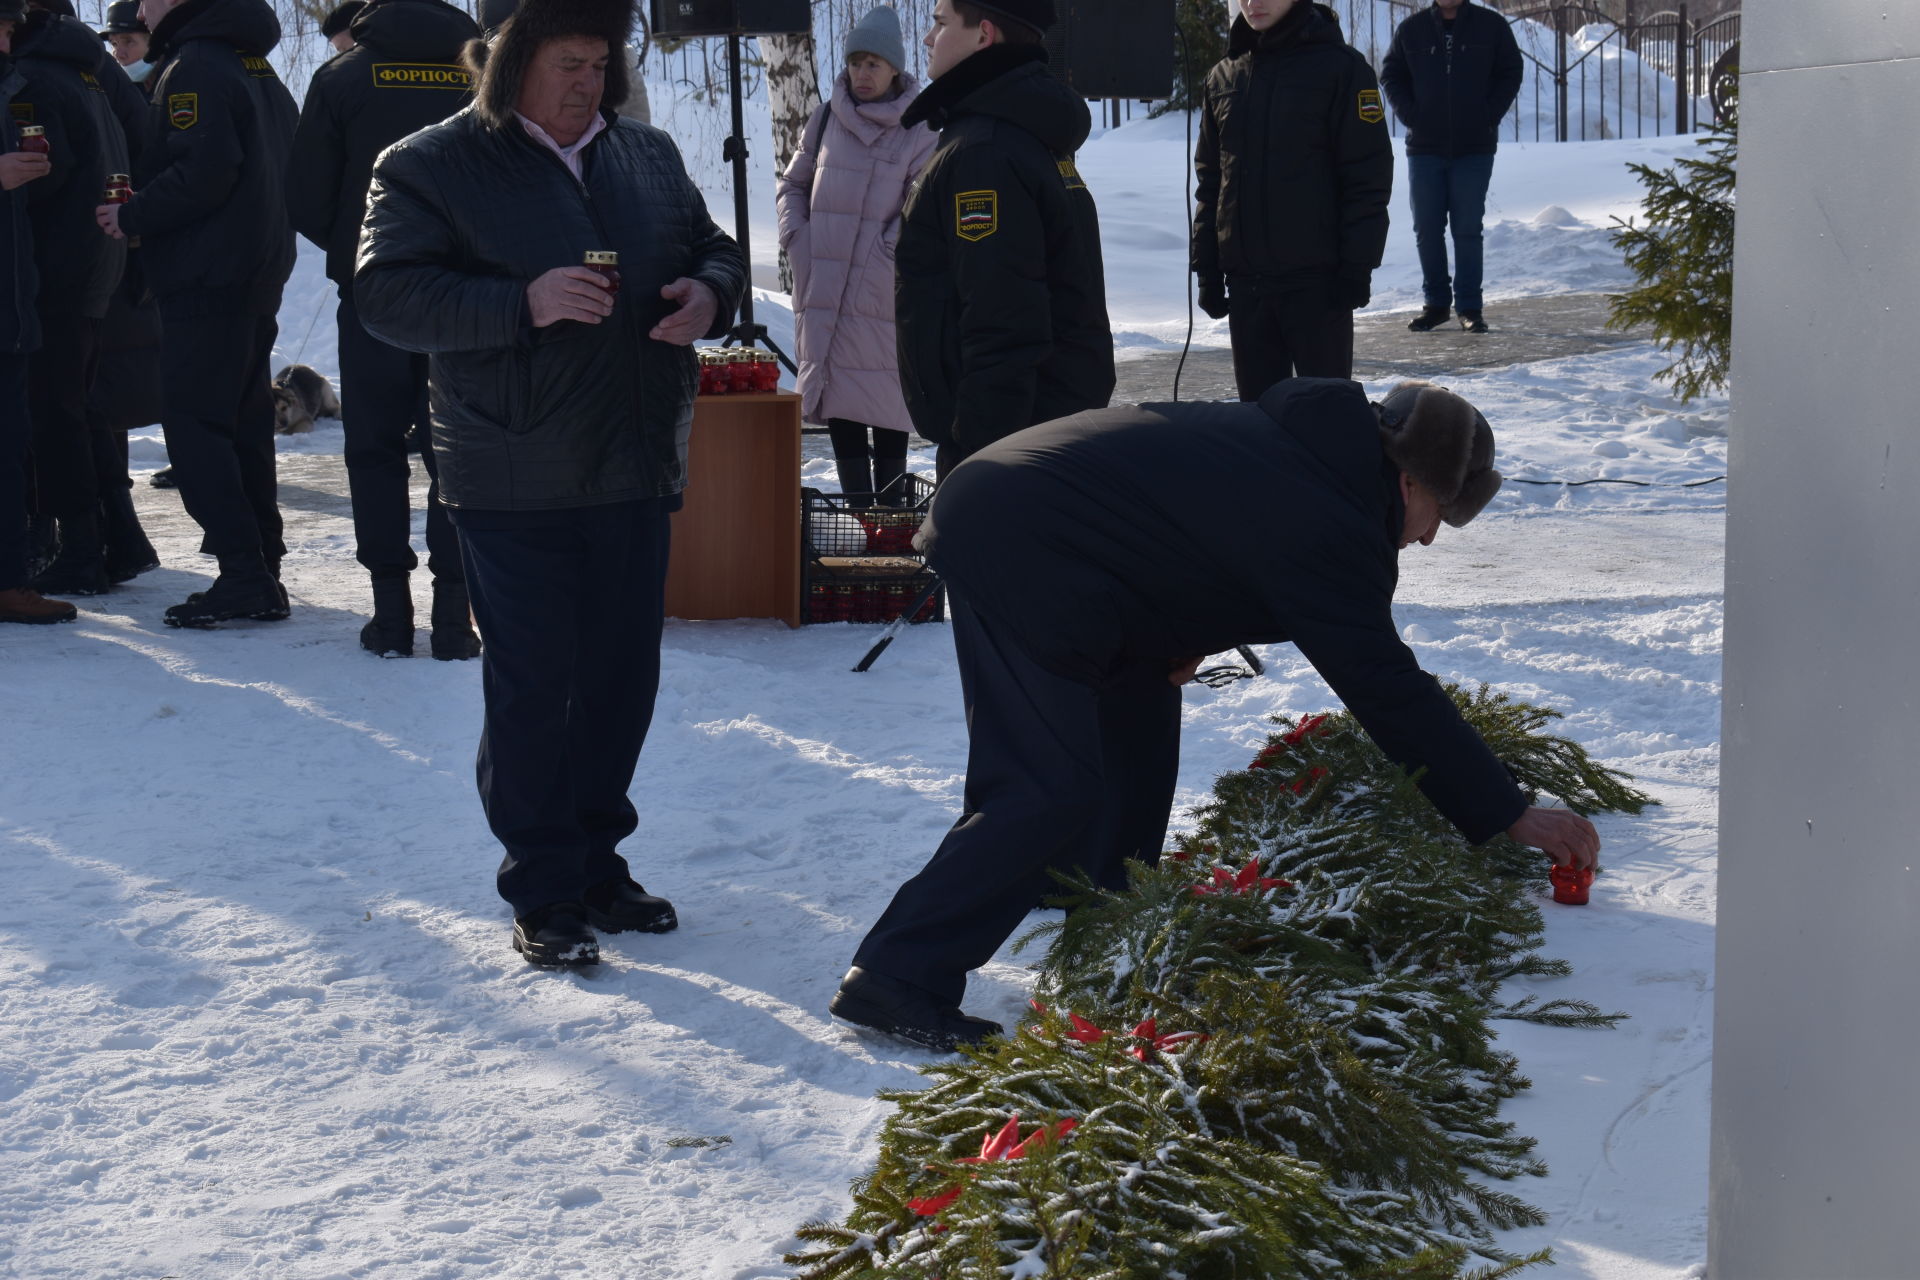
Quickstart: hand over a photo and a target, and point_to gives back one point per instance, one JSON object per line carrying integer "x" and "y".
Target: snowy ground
{"x": 258, "y": 1016}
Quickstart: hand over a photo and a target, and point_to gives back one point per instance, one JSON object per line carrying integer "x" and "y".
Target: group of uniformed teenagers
{"x": 460, "y": 176}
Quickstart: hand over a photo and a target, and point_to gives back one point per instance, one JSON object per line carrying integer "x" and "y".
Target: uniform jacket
{"x": 210, "y": 192}
{"x": 461, "y": 217}
{"x": 79, "y": 267}
{"x": 403, "y": 75}
{"x": 1115, "y": 544}
{"x": 839, "y": 203}
{"x": 1293, "y": 166}
{"x": 999, "y": 295}
{"x": 1451, "y": 93}
{"x": 19, "y": 282}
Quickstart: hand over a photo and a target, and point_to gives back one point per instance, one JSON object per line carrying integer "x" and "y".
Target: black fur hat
{"x": 500, "y": 64}
{"x": 1440, "y": 440}
{"x": 1037, "y": 14}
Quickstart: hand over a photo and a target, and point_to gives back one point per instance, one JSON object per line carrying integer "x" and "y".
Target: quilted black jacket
{"x": 461, "y": 217}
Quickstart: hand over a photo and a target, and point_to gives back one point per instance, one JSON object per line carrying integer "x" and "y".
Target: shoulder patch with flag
{"x": 976, "y": 214}
{"x": 1370, "y": 109}
{"x": 183, "y": 110}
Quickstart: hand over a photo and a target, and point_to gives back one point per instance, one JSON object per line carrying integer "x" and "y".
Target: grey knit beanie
{"x": 1440, "y": 440}
{"x": 879, "y": 34}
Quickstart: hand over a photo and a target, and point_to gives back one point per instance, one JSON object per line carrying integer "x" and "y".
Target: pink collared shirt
{"x": 569, "y": 156}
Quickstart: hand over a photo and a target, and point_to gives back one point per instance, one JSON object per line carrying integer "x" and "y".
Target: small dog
{"x": 300, "y": 394}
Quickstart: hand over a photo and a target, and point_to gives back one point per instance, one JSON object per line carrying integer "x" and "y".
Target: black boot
{"x": 1473, "y": 322}
{"x": 389, "y": 632}
{"x": 890, "y": 479}
{"x": 856, "y": 481}
{"x": 129, "y": 553}
{"x": 453, "y": 637}
{"x": 81, "y": 567}
{"x": 906, "y": 1012}
{"x": 556, "y": 935}
{"x": 244, "y": 589}
{"x": 163, "y": 479}
{"x": 621, "y": 906}
{"x": 1429, "y": 320}
{"x": 43, "y": 543}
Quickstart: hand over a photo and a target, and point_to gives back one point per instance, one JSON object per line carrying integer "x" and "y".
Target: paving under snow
{"x": 258, "y": 1016}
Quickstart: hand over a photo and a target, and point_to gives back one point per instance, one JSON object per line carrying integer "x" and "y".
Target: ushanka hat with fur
{"x": 1440, "y": 440}
{"x": 500, "y": 63}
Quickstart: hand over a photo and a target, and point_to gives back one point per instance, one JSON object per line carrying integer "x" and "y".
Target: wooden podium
{"x": 736, "y": 542}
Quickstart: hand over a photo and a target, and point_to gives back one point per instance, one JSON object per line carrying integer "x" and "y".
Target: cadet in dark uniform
{"x": 1291, "y": 178}
{"x": 1103, "y": 553}
{"x": 79, "y": 271}
{"x": 401, "y": 74}
{"x": 1000, "y": 299}
{"x": 209, "y": 206}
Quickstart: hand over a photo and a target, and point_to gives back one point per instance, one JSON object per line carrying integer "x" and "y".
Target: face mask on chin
{"x": 138, "y": 71}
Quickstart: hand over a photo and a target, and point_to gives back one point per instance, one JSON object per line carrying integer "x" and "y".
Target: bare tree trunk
{"x": 793, "y": 94}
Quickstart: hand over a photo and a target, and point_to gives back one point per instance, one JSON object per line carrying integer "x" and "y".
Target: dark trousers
{"x": 1450, "y": 191}
{"x": 383, "y": 396}
{"x": 219, "y": 427}
{"x": 570, "y": 604}
{"x": 1059, "y": 775}
{"x": 879, "y": 470}
{"x": 1298, "y": 334}
{"x": 16, "y": 429}
{"x": 58, "y": 377}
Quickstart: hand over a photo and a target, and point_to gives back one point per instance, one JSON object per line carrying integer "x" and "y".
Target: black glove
{"x": 1351, "y": 290}
{"x": 1213, "y": 297}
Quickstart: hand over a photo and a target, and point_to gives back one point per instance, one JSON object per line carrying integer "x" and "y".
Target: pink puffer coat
{"x": 839, "y": 204}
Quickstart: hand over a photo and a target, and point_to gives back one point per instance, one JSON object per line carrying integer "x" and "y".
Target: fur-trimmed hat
{"x": 1440, "y": 440}
{"x": 500, "y": 63}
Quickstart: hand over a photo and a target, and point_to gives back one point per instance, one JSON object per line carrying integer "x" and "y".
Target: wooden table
{"x": 736, "y": 542}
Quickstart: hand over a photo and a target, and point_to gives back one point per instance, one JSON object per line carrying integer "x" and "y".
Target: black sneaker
{"x": 1429, "y": 320}
{"x": 556, "y": 936}
{"x": 1473, "y": 322}
{"x": 621, "y": 906}
{"x": 906, "y": 1012}
{"x": 255, "y": 596}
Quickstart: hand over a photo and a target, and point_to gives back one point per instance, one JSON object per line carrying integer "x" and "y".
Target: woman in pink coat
{"x": 839, "y": 204}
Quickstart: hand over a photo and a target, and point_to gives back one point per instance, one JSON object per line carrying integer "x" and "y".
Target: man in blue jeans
{"x": 1452, "y": 73}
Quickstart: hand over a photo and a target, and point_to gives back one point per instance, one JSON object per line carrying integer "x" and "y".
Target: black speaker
{"x": 731, "y": 17}
{"x": 1111, "y": 48}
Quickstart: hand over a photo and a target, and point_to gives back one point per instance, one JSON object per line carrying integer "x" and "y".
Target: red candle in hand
{"x": 606, "y": 264}
{"x": 33, "y": 139}
{"x": 1570, "y": 885}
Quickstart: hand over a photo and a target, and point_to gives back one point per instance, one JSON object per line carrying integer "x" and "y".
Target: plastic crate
{"x": 857, "y": 562}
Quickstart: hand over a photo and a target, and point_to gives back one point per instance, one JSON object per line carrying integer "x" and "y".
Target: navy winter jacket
{"x": 1451, "y": 88}
{"x": 19, "y": 282}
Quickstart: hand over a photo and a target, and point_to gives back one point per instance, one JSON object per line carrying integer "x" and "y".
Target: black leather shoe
{"x": 255, "y": 595}
{"x": 906, "y": 1012}
{"x": 556, "y": 936}
{"x": 621, "y": 906}
{"x": 1473, "y": 322}
{"x": 1430, "y": 319}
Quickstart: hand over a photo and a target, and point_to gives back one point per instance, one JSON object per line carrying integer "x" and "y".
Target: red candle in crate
{"x": 119, "y": 189}
{"x": 709, "y": 383}
{"x": 606, "y": 264}
{"x": 766, "y": 368}
{"x": 1570, "y": 885}
{"x": 33, "y": 139}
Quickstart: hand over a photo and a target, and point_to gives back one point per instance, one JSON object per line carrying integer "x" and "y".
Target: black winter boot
{"x": 453, "y": 637}
{"x": 81, "y": 567}
{"x": 556, "y": 935}
{"x": 43, "y": 543}
{"x": 622, "y": 906}
{"x": 163, "y": 479}
{"x": 244, "y": 589}
{"x": 129, "y": 553}
{"x": 906, "y": 1012}
{"x": 855, "y": 478}
{"x": 1429, "y": 320}
{"x": 1473, "y": 322}
{"x": 390, "y": 631}
{"x": 890, "y": 480}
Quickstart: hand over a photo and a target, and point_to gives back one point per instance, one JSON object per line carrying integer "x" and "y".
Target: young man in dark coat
{"x": 1000, "y": 298}
{"x": 209, "y": 205}
{"x": 1291, "y": 177}
{"x": 19, "y": 339}
{"x": 1100, "y": 556}
{"x": 79, "y": 271}
{"x": 401, "y": 74}
{"x": 1453, "y": 71}
{"x": 561, "y": 412}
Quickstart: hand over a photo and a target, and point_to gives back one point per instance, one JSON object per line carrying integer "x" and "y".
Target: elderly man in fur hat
{"x": 562, "y": 402}
{"x": 1098, "y": 555}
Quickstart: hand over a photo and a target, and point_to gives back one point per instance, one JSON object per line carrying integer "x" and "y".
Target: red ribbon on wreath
{"x": 1003, "y": 1144}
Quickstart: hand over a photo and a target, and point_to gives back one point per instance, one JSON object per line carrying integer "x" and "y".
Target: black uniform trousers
{"x": 1059, "y": 775}
{"x": 218, "y": 421}
{"x": 383, "y": 396}
{"x": 58, "y": 378}
{"x": 570, "y": 604}
{"x": 16, "y": 430}
{"x": 1300, "y": 333}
